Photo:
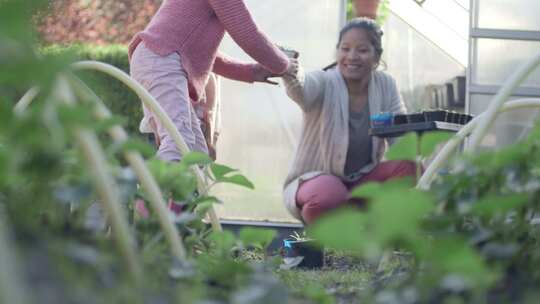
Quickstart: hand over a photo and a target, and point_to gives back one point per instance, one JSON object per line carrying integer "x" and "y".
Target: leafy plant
{"x": 382, "y": 14}
{"x": 472, "y": 237}
{"x": 299, "y": 237}
{"x": 47, "y": 190}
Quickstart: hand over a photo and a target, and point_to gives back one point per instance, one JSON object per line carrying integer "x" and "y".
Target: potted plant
{"x": 366, "y": 8}
{"x": 302, "y": 251}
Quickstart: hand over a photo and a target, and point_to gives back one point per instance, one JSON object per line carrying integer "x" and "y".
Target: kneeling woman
{"x": 335, "y": 152}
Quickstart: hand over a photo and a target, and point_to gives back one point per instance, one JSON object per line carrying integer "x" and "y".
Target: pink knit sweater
{"x": 194, "y": 29}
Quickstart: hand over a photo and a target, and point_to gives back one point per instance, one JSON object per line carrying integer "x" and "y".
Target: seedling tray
{"x": 420, "y": 127}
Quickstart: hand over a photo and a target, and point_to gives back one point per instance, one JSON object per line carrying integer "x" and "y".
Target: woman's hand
{"x": 261, "y": 74}
{"x": 292, "y": 69}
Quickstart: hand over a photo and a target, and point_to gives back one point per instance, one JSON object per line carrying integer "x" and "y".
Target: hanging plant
{"x": 366, "y": 8}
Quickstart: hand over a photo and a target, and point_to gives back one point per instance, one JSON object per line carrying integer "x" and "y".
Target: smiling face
{"x": 356, "y": 55}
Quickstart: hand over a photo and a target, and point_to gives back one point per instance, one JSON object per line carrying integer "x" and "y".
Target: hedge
{"x": 120, "y": 100}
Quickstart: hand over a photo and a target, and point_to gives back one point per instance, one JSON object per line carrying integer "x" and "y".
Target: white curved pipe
{"x": 27, "y": 98}
{"x": 105, "y": 184}
{"x": 13, "y": 288}
{"x": 502, "y": 96}
{"x": 136, "y": 161}
{"x": 429, "y": 174}
{"x": 154, "y": 106}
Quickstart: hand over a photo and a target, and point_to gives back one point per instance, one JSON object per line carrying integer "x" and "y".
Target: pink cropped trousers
{"x": 324, "y": 193}
{"x": 166, "y": 80}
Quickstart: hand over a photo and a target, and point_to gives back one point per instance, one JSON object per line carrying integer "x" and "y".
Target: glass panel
{"x": 509, "y": 14}
{"x": 498, "y": 59}
{"x": 260, "y": 125}
{"x": 415, "y": 62}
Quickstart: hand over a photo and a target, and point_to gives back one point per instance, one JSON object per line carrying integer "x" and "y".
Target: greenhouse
{"x": 244, "y": 151}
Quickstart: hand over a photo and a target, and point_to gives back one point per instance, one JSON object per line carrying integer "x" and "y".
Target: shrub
{"x": 120, "y": 100}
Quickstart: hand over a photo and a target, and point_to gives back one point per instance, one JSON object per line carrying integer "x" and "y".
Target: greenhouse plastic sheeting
{"x": 259, "y": 124}
{"x": 415, "y": 62}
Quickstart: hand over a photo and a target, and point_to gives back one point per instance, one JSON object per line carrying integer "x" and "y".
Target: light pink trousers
{"x": 166, "y": 80}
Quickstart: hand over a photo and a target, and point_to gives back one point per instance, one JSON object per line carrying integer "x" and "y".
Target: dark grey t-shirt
{"x": 360, "y": 144}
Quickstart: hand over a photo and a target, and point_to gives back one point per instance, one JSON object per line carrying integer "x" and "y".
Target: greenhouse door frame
{"x": 476, "y": 33}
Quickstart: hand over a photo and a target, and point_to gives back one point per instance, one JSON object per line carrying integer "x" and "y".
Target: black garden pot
{"x": 309, "y": 249}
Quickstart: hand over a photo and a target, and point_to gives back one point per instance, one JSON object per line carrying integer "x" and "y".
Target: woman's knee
{"x": 322, "y": 192}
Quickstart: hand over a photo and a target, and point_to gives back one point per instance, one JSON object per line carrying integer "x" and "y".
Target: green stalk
{"x": 12, "y": 287}
{"x": 159, "y": 113}
{"x": 136, "y": 161}
{"x": 105, "y": 185}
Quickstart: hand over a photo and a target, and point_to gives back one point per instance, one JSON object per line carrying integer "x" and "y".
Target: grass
{"x": 326, "y": 286}
{"x": 344, "y": 279}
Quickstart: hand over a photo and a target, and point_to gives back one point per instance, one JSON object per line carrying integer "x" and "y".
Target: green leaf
{"x": 137, "y": 145}
{"x": 496, "y": 204}
{"x": 203, "y": 204}
{"x": 195, "y": 158}
{"x": 396, "y": 215}
{"x": 372, "y": 189}
{"x": 367, "y": 190}
{"x": 173, "y": 178}
{"x": 202, "y": 208}
{"x": 223, "y": 241}
{"x": 343, "y": 229}
{"x": 257, "y": 237}
{"x": 238, "y": 179}
{"x": 429, "y": 141}
{"x": 404, "y": 148}
{"x": 106, "y": 124}
{"x": 207, "y": 199}
{"x": 80, "y": 115}
{"x": 509, "y": 155}
{"x": 219, "y": 170}
{"x": 455, "y": 256}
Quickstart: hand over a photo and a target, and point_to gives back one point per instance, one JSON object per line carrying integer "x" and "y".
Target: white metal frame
{"x": 475, "y": 33}
{"x": 451, "y": 146}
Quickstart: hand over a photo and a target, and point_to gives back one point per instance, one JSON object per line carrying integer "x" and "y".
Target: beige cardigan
{"x": 324, "y": 100}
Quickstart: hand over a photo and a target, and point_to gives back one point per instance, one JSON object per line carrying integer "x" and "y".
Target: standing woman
{"x": 335, "y": 152}
{"x": 173, "y": 57}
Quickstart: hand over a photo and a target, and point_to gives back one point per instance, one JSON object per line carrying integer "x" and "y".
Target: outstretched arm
{"x": 237, "y": 20}
{"x": 306, "y": 90}
{"x": 242, "y": 71}
{"x": 234, "y": 69}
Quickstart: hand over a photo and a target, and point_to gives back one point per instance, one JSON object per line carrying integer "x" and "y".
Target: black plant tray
{"x": 398, "y": 130}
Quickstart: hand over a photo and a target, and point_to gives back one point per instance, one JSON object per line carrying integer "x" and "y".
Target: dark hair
{"x": 372, "y": 29}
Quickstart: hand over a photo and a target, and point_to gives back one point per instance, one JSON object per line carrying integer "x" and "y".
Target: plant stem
{"x": 159, "y": 113}
{"x": 136, "y": 161}
{"x": 27, "y": 98}
{"x": 12, "y": 287}
{"x": 105, "y": 185}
